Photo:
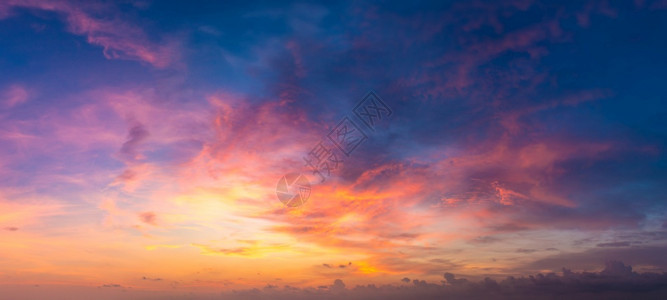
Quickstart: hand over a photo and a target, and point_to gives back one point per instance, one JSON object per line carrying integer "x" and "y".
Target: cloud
{"x": 451, "y": 279}
{"x": 615, "y": 281}
{"x": 136, "y": 135}
{"x": 32, "y": 209}
{"x": 4, "y": 10}
{"x": 614, "y": 244}
{"x": 119, "y": 38}
{"x": 338, "y": 285}
{"x": 14, "y": 95}
{"x": 255, "y": 250}
{"x": 647, "y": 256}
{"x": 148, "y": 218}
{"x": 151, "y": 279}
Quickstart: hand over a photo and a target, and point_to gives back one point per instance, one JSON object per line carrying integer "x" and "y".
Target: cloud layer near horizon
{"x": 615, "y": 281}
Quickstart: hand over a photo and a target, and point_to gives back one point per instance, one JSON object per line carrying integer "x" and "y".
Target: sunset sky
{"x": 141, "y": 143}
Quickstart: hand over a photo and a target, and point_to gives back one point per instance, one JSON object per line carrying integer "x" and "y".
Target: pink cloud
{"x": 15, "y": 95}
{"x": 120, "y": 38}
{"x": 29, "y": 210}
{"x": 148, "y": 218}
{"x": 4, "y": 10}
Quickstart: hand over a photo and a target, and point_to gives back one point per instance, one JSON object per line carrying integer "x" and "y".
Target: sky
{"x": 507, "y": 149}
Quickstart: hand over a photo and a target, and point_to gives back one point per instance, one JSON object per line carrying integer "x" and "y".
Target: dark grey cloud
{"x": 136, "y": 135}
{"x": 615, "y": 281}
{"x": 451, "y": 279}
{"x": 151, "y": 279}
{"x": 645, "y": 256}
{"x": 614, "y": 244}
